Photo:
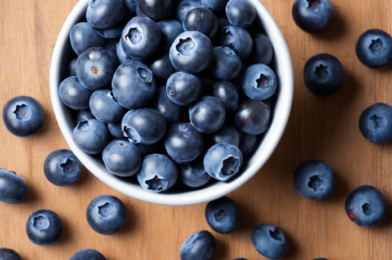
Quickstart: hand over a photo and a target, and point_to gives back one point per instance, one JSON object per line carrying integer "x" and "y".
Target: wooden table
{"x": 319, "y": 128}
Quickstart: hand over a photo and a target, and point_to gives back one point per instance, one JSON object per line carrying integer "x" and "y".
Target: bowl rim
{"x": 284, "y": 72}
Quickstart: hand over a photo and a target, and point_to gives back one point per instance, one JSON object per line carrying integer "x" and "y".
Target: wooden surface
{"x": 319, "y": 128}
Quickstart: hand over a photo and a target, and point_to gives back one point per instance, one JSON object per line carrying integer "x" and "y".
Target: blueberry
{"x": 9, "y": 254}
{"x": 238, "y": 39}
{"x": 13, "y": 188}
{"x": 202, "y": 20}
{"x": 89, "y": 254}
{"x": 73, "y": 94}
{"x": 240, "y": 12}
{"x": 170, "y": 111}
{"x": 191, "y": 52}
{"x": 313, "y": 16}
{"x": 121, "y": 55}
{"x": 253, "y": 117}
{"x": 216, "y": 6}
{"x": 183, "y": 142}
{"x": 259, "y": 82}
{"x": 269, "y": 241}
{"x": 140, "y": 12}
{"x": 103, "y": 14}
{"x": 106, "y": 215}
{"x": 133, "y": 85}
{"x": 105, "y": 107}
{"x": 158, "y": 173}
{"x": 193, "y": 174}
{"x": 225, "y": 64}
{"x": 323, "y": 74}
{"x": 83, "y": 37}
{"x": 146, "y": 149}
{"x": 315, "y": 179}
{"x": 222, "y": 215}
{"x": 227, "y": 94}
{"x": 200, "y": 246}
{"x": 263, "y": 51}
{"x": 95, "y": 68}
{"x": 170, "y": 29}
{"x": 222, "y": 23}
{"x": 91, "y": 136}
{"x": 248, "y": 143}
{"x": 141, "y": 38}
{"x": 227, "y": 134}
{"x": 183, "y": 88}
{"x": 44, "y": 227}
{"x": 112, "y": 32}
{"x": 62, "y": 168}
{"x": 208, "y": 114}
{"x": 23, "y": 116}
{"x": 72, "y": 67}
{"x": 131, "y": 4}
{"x": 222, "y": 161}
{"x": 184, "y": 7}
{"x": 143, "y": 125}
{"x": 161, "y": 65}
{"x": 83, "y": 115}
{"x": 374, "y": 48}
{"x": 375, "y": 123}
{"x": 116, "y": 130}
{"x": 111, "y": 46}
{"x": 366, "y": 206}
{"x": 156, "y": 9}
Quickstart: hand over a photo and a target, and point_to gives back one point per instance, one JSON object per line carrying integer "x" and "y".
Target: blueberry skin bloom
{"x": 225, "y": 64}
{"x": 133, "y": 85}
{"x": 156, "y": 9}
{"x": 143, "y": 125}
{"x": 269, "y": 241}
{"x": 375, "y": 123}
{"x": 253, "y": 117}
{"x": 105, "y": 107}
{"x": 161, "y": 65}
{"x": 91, "y": 136}
{"x": 238, "y": 39}
{"x": 202, "y": 20}
{"x": 263, "y": 51}
{"x": 106, "y": 214}
{"x": 216, "y": 6}
{"x": 315, "y": 179}
{"x": 104, "y": 14}
{"x": 374, "y": 48}
{"x": 200, "y": 246}
{"x": 227, "y": 134}
{"x": 227, "y": 94}
{"x": 222, "y": 161}
{"x": 170, "y": 29}
{"x": 184, "y": 7}
{"x": 9, "y": 254}
{"x": 95, "y": 68}
{"x": 44, "y": 227}
{"x": 183, "y": 142}
{"x": 191, "y": 52}
{"x": 83, "y": 115}
{"x": 222, "y": 215}
{"x": 240, "y": 12}
{"x": 323, "y": 74}
{"x": 313, "y": 16}
{"x": 193, "y": 174}
{"x": 207, "y": 115}
{"x": 259, "y": 82}
{"x": 248, "y": 143}
{"x": 13, "y": 188}
{"x": 73, "y": 94}
{"x": 83, "y": 37}
{"x": 170, "y": 111}
{"x": 183, "y": 88}
{"x": 89, "y": 254}
{"x": 62, "y": 168}
{"x": 158, "y": 173}
{"x": 23, "y": 116}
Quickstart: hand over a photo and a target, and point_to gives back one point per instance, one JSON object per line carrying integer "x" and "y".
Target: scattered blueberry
{"x": 105, "y": 107}
{"x": 83, "y": 37}
{"x": 62, "y": 168}
{"x": 216, "y": 6}
{"x": 161, "y": 65}
{"x": 170, "y": 111}
{"x": 44, "y": 227}
{"x": 156, "y": 9}
{"x": 73, "y": 94}
{"x": 170, "y": 29}
{"x": 83, "y": 115}
{"x": 91, "y": 136}
{"x": 87, "y": 254}
{"x": 208, "y": 114}
{"x": 269, "y": 241}
{"x": 249, "y": 143}
{"x": 116, "y": 130}
{"x": 200, "y": 246}
{"x": 253, "y": 117}
{"x": 121, "y": 55}
{"x": 184, "y": 7}
{"x": 227, "y": 94}
{"x": 259, "y": 82}
{"x": 225, "y": 64}
{"x": 193, "y": 174}
{"x": 104, "y": 14}
{"x": 222, "y": 215}
{"x": 202, "y": 20}
{"x": 375, "y": 123}
{"x": 183, "y": 88}
{"x": 240, "y": 12}
{"x": 227, "y": 134}
{"x": 238, "y": 39}
{"x": 263, "y": 51}
{"x": 13, "y": 188}
{"x": 9, "y": 254}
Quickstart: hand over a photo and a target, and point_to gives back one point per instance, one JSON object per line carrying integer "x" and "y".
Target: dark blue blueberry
{"x": 83, "y": 37}
{"x": 72, "y": 67}
{"x": 158, "y": 173}
{"x": 112, "y": 32}
{"x": 144, "y": 125}
{"x": 366, "y": 206}
{"x": 208, "y": 114}
{"x": 238, "y": 39}
{"x": 227, "y": 94}
{"x": 105, "y": 107}
{"x": 216, "y": 6}
{"x": 227, "y": 134}
{"x": 44, "y": 227}
{"x": 116, "y": 130}
{"x": 133, "y": 85}
{"x": 183, "y": 142}
{"x": 91, "y": 136}
{"x": 95, "y": 68}
{"x": 183, "y": 88}
{"x": 313, "y": 16}
{"x": 259, "y": 82}
{"x": 121, "y": 55}
{"x": 88, "y": 254}
{"x": 13, "y": 188}
{"x": 249, "y": 143}
{"x": 170, "y": 29}
{"x": 146, "y": 149}
{"x": 62, "y": 168}
{"x": 200, "y": 246}
{"x": 240, "y": 12}
{"x": 23, "y": 116}
{"x": 315, "y": 179}
{"x": 73, "y": 94}
{"x": 191, "y": 52}
{"x": 9, "y": 254}
{"x": 104, "y": 14}
{"x": 193, "y": 174}
{"x": 184, "y": 7}
{"x": 161, "y": 65}
{"x": 263, "y": 51}
{"x": 374, "y": 48}
{"x": 170, "y": 111}
{"x": 141, "y": 38}
{"x": 375, "y": 123}
{"x": 222, "y": 215}
{"x": 83, "y": 115}
{"x": 269, "y": 241}
{"x": 156, "y": 9}
{"x": 253, "y": 117}
{"x": 122, "y": 158}
{"x": 202, "y": 20}
{"x": 323, "y": 74}
{"x": 106, "y": 215}
{"x": 225, "y": 64}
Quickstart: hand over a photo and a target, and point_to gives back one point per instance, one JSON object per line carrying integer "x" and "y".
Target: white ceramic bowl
{"x": 65, "y": 118}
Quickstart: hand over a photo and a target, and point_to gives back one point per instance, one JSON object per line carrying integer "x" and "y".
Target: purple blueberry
{"x": 253, "y": 117}
{"x": 83, "y": 37}
{"x": 240, "y": 12}
{"x": 170, "y": 29}
{"x": 44, "y": 227}
{"x": 87, "y": 254}
{"x": 222, "y": 215}
{"x": 238, "y": 39}
{"x": 259, "y": 82}
{"x": 170, "y": 111}
{"x": 104, "y": 14}
{"x": 269, "y": 241}
{"x": 9, "y": 254}
{"x": 183, "y": 88}
{"x": 156, "y": 9}
{"x": 13, "y": 188}
{"x": 225, "y": 64}
{"x": 227, "y": 94}
{"x": 91, "y": 136}
{"x": 200, "y": 246}
{"x": 193, "y": 174}
{"x": 207, "y": 115}
{"x": 263, "y": 51}
{"x": 62, "y": 168}
{"x": 73, "y": 94}
{"x": 202, "y": 20}
{"x": 105, "y": 107}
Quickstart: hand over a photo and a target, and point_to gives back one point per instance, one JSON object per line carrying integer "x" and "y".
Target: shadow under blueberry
{"x": 221, "y": 249}
{"x": 33, "y": 195}
{"x": 341, "y": 190}
{"x": 337, "y": 29}
{"x": 65, "y": 235}
{"x": 293, "y": 250}
{"x": 131, "y": 222}
{"x": 247, "y": 218}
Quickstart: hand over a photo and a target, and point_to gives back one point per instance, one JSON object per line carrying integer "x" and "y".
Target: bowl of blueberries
{"x": 168, "y": 101}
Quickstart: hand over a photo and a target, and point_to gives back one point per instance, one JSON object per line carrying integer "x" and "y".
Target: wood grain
{"x": 319, "y": 128}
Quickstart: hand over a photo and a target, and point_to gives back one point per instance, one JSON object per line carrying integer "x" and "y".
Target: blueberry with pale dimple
{"x": 183, "y": 88}
{"x": 146, "y": 149}
{"x": 116, "y": 130}
{"x": 144, "y": 126}
{"x": 170, "y": 29}
{"x": 227, "y": 94}
{"x": 62, "y": 168}
{"x": 89, "y": 254}
{"x": 161, "y": 65}
{"x": 200, "y": 246}
{"x": 170, "y": 111}
{"x": 83, "y": 37}
{"x": 9, "y": 254}
{"x": 238, "y": 39}
{"x": 225, "y": 64}
{"x": 73, "y": 94}
{"x": 191, "y": 52}
{"x": 13, "y": 188}
{"x": 106, "y": 214}
{"x": 141, "y": 38}
{"x": 375, "y": 123}
{"x": 184, "y": 7}
{"x": 44, "y": 227}
{"x": 259, "y": 82}
{"x": 91, "y": 136}
{"x": 105, "y": 107}
{"x": 133, "y": 85}
{"x": 263, "y": 51}
{"x": 226, "y": 134}
{"x": 240, "y": 12}
{"x": 207, "y": 115}
{"x": 253, "y": 117}
{"x": 112, "y": 32}
{"x": 216, "y": 6}
{"x": 222, "y": 215}
{"x": 202, "y": 20}
{"x": 193, "y": 174}
{"x": 248, "y": 143}
{"x": 95, "y": 68}
{"x": 83, "y": 115}
{"x": 23, "y": 116}
{"x": 223, "y": 161}
{"x": 366, "y": 206}
{"x": 269, "y": 241}
{"x": 156, "y": 9}
{"x": 158, "y": 173}
{"x": 121, "y": 55}
{"x": 104, "y": 14}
